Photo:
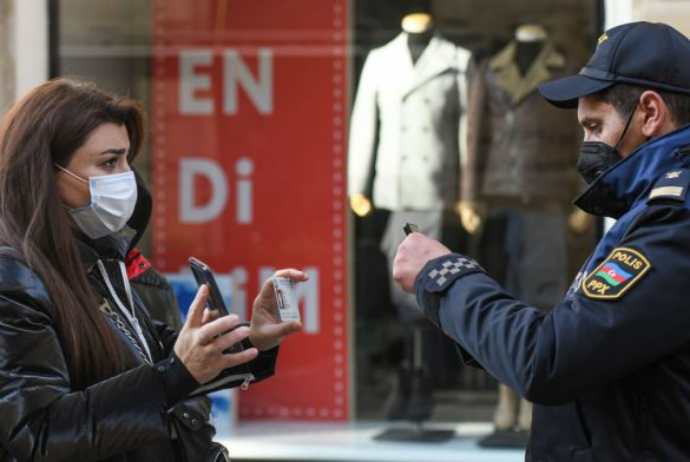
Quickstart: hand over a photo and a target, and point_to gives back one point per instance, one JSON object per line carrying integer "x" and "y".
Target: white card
{"x": 287, "y": 299}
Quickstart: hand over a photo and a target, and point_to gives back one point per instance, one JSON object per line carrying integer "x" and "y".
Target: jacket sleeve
{"x": 364, "y": 125}
{"x": 260, "y": 368}
{"x": 585, "y": 343}
{"x": 43, "y": 418}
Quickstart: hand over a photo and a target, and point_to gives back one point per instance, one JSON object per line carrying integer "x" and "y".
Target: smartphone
{"x": 203, "y": 275}
{"x": 410, "y": 228}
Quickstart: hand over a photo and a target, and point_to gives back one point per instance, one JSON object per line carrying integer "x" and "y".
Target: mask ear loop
{"x": 59, "y": 167}
{"x": 627, "y": 126}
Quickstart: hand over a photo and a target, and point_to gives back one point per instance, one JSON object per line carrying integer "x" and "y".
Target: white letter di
{"x": 189, "y": 170}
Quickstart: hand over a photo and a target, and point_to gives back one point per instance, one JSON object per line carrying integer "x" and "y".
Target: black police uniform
{"x": 609, "y": 368}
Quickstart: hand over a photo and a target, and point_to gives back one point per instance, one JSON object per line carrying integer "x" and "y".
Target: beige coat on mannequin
{"x": 408, "y": 117}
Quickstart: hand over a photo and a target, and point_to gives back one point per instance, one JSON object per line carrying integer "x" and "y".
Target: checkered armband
{"x": 437, "y": 276}
{"x": 442, "y": 272}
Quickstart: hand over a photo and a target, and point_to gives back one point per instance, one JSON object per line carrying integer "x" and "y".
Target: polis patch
{"x": 623, "y": 268}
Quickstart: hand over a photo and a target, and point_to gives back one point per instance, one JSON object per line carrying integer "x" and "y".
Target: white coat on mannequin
{"x": 408, "y": 116}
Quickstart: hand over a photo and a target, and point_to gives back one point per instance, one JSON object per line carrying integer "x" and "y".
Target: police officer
{"x": 609, "y": 368}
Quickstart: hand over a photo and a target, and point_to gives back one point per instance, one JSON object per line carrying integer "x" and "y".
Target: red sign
{"x": 248, "y": 118}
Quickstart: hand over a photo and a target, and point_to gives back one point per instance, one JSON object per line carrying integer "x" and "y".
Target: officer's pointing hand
{"x": 414, "y": 252}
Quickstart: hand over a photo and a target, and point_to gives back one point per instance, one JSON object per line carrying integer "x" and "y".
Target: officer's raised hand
{"x": 414, "y": 252}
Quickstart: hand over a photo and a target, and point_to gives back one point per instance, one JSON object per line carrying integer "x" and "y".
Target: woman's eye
{"x": 111, "y": 162}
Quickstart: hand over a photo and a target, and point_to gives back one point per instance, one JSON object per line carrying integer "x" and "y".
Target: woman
{"x": 85, "y": 374}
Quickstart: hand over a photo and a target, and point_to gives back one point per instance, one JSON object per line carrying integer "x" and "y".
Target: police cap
{"x": 650, "y": 55}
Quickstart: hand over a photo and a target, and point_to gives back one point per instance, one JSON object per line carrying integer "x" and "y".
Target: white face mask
{"x": 113, "y": 198}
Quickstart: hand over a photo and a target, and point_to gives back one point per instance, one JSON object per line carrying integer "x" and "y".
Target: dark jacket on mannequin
{"x": 520, "y": 148}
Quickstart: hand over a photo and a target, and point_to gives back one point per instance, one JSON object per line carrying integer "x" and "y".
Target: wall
{"x": 673, "y": 12}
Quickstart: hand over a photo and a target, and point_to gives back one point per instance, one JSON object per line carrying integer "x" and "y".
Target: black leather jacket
{"x": 143, "y": 414}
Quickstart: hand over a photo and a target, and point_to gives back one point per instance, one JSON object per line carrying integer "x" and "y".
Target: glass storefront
{"x": 250, "y": 107}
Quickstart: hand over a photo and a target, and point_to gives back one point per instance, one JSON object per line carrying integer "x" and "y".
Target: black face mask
{"x": 596, "y": 156}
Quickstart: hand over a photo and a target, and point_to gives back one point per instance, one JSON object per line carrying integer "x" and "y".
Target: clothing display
{"x": 521, "y": 150}
{"x": 406, "y": 126}
{"x": 405, "y": 152}
{"x": 406, "y": 132}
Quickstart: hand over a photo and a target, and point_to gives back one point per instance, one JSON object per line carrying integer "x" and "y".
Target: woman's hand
{"x": 202, "y": 340}
{"x": 267, "y": 330}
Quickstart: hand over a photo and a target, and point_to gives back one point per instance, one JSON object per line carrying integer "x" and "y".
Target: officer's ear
{"x": 656, "y": 117}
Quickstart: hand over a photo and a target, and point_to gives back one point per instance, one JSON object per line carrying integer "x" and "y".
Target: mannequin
{"x": 517, "y": 189}
{"x": 420, "y": 31}
{"x": 530, "y": 41}
{"x": 405, "y": 137}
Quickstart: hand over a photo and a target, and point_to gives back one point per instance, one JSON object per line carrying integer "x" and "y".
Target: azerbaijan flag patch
{"x": 618, "y": 273}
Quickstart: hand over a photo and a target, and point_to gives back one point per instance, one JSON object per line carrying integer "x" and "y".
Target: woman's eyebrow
{"x": 118, "y": 152}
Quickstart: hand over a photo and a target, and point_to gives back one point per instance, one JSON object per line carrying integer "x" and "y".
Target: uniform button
{"x": 403, "y": 157}
{"x": 160, "y": 369}
{"x": 194, "y": 421}
{"x": 142, "y": 265}
{"x": 425, "y": 129}
{"x": 404, "y": 128}
{"x": 427, "y": 101}
{"x": 185, "y": 415}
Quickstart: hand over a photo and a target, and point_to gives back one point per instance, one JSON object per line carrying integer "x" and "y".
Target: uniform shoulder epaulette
{"x": 672, "y": 185}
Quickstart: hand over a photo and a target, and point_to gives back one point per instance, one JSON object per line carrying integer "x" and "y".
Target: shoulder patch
{"x": 621, "y": 270}
{"x": 672, "y": 185}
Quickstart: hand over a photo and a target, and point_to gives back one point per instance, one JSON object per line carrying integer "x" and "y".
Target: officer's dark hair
{"x": 624, "y": 98}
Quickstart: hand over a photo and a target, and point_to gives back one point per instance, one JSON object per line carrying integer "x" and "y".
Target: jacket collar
{"x": 438, "y": 56}
{"x": 628, "y": 182}
{"x": 508, "y": 74}
{"x": 114, "y": 246}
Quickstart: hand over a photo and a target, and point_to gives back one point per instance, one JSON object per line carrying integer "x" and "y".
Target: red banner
{"x": 248, "y": 118}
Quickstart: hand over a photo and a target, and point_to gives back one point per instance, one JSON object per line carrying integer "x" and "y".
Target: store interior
{"x": 439, "y": 389}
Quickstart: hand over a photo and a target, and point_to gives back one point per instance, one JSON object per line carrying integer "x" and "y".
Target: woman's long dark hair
{"x": 47, "y": 126}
